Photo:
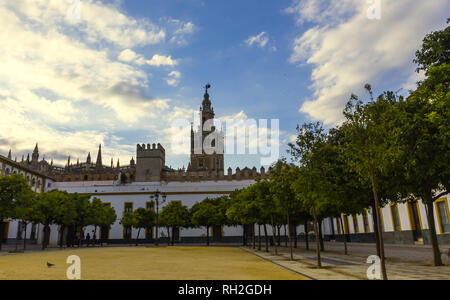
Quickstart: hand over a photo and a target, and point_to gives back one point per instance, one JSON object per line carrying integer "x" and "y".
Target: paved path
{"x": 403, "y": 262}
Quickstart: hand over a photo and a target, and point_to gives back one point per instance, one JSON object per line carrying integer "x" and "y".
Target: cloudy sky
{"x": 123, "y": 71}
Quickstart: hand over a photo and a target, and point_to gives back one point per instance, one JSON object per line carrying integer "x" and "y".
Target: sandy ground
{"x": 162, "y": 263}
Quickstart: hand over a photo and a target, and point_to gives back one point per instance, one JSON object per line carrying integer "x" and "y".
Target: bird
{"x": 50, "y": 265}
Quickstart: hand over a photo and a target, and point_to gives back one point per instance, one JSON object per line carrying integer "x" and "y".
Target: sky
{"x": 118, "y": 73}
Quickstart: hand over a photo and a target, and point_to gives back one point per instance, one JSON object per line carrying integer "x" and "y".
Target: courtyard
{"x": 146, "y": 263}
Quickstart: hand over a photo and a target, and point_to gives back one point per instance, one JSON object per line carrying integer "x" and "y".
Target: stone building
{"x": 205, "y": 163}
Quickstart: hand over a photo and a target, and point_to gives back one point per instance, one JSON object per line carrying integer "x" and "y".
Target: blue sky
{"x": 125, "y": 70}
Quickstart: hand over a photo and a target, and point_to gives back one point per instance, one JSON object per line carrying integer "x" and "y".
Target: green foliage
{"x": 129, "y": 220}
{"x": 145, "y": 218}
{"x": 47, "y": 209}
{"x": 175, "y": 215}
{"x": 141, "y": 218}
{"x": 108, "y": 217}
{"x": 435, "y": 50}
{"x": 209, "y": 212}
{"x": 12, "y": 189}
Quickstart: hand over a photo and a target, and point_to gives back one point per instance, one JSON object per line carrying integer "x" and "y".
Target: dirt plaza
{"x": 152, "y": 263}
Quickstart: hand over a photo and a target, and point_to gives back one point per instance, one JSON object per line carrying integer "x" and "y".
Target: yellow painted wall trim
{"x": 151, "y": 193}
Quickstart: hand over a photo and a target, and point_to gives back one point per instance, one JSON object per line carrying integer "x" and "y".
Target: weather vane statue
{"x": 208, "y": 86}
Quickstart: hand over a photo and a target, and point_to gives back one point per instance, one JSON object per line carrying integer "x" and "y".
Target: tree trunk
{"x": 94, "y": 238}
{"x": 432, "y": 227}
{"x": 306, "y": 235}
{"x": 207, "y": 235}
{"x": 295, "y": 236}
{"x": 46, "y": 236}
{"x": 244, "y": 236}
{"x": 137, "y": 238}
{"x": 375, "y": 230}
{"x": 316, "y": 229}
{"x": 289, "y": 237}
{"x": 172, "y": 240}
{"x": 17, "y": 237}
{"x": 377, "y": 210}
{"x": 273, "y": 235}
{"x": 61, "y": 238}
{"x": 266, "y": 238}
{"x": 168, "y": 235}
{"x": 344, "y": 234}
{"x": 279, "y": 236}
{"x": 254, "y": 237}
{"x": 286, "y": 238}
{"x": 322, "y": 245}
{"x": 259, "y": 237}
{"x": 25, "y": 238}
{"x": 80, "y": 240}
{"x": 2, "y": 229}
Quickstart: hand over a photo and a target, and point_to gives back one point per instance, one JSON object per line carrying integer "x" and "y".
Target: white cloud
{"x": 348, "y": 50}
{"x": 130, "y": 56}
{"x": 181, "y": 31}
{"x": 73, "y": 84}
{"x": 173, "y": 78}
{"x": 261, "y": 40}
{"x": 161, "y": 60}
{"x": 98, "y": 21}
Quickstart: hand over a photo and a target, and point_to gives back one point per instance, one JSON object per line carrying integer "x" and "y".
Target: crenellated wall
{"x": 244, "y": 174}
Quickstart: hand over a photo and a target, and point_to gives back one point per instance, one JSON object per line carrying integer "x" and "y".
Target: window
{"x": 128, "y": 208}
{"x": 33, "y": 182}
{"x": 395, "y": 217}
{"x": 127, "y": 231}
{"x": 414, "y": 215}
{"x": 7, "y": 172}
{"x": 150, "y": 205}
{"x": 443, "y": 215}
{"x": 355, "y": 224}
{"x": 365, "y": 221}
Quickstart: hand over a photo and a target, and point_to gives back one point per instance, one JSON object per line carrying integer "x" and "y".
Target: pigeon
{"x": 50, "y": 265}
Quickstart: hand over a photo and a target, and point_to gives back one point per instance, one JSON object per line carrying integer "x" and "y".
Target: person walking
{"x": 88, "y": 240}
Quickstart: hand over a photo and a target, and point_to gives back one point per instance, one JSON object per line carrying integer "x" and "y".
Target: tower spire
{"x": 35, "y": 155}
{"x": 9, "y": 154}
{"x": 88, "y": 159}
{"x": 99, "y": 163}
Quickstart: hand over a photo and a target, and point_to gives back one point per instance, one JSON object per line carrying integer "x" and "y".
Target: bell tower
{"x": 202, "y": 160}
